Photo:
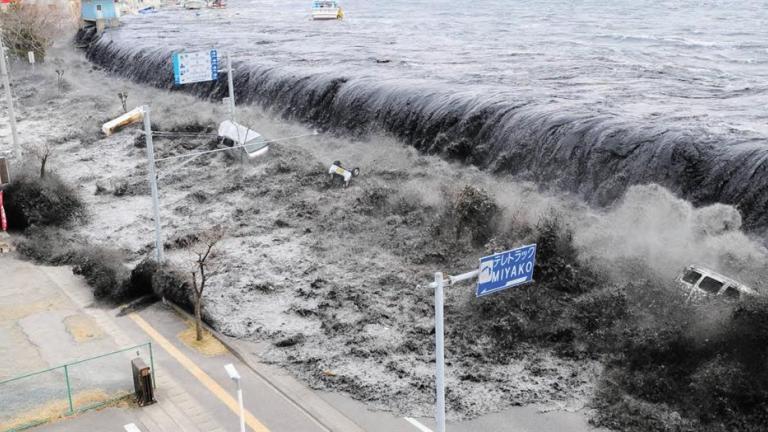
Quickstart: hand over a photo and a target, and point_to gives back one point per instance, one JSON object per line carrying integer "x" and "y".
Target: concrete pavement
{"x": 193, "y": 391}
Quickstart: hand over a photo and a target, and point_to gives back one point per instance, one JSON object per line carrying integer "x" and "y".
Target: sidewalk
{"x": 193, "y": 391}
{"x": 174, "y": 410}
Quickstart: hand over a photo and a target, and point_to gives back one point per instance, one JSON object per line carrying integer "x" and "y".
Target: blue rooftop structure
{"x": 104, "y": 11}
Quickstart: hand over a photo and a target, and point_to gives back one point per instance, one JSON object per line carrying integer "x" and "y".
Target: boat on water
{"x": 326, "y": 10}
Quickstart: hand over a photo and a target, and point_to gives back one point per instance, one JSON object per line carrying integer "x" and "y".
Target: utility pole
{"x": 231, "y": 85}
{"x": 9, "y": 99}
{"x": 159, "y": 250}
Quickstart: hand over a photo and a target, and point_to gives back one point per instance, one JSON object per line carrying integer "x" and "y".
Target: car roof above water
{"x": 721, "y": 278}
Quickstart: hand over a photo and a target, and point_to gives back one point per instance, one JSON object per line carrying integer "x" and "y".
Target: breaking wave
{"x": 597, "y": 156}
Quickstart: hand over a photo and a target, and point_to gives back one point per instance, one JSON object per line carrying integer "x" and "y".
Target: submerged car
{"x": 702, "y": 282}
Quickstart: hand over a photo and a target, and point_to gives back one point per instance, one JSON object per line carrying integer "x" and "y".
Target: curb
{"x": 284, "y": 384}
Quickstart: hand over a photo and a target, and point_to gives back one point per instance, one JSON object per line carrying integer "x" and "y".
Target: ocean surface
{"x": 695, "y": 63}
{"x": 588, "y": 96}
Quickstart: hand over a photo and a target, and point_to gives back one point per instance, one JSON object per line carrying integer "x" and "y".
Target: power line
{"x": 233, "y": 147}
{"x": 184, "y": 134}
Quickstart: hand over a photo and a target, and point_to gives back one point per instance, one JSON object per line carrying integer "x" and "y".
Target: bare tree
{"x": 204, "y": 265}
{"x": 42, "y": 151}
{"x": 123, "y": 95}
{"x": 59, "y": 79}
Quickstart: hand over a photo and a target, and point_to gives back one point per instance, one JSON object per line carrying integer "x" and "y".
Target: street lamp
{"x": 234, "y": 376}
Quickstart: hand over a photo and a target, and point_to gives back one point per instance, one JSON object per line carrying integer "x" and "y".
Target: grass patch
{"x": 56, "y": 410}
{"x": 82, "y": 328}
{"x": 209, "y": 346}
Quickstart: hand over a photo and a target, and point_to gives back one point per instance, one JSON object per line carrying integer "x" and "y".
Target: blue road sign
{"x": 506, "y": 270}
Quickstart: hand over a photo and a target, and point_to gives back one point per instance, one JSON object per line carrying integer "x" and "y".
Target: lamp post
{"x": 234, "y": 376}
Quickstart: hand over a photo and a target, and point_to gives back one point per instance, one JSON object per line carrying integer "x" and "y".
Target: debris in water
{"x": 338, "y": 172}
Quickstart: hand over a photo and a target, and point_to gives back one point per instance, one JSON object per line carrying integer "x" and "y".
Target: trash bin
{"x": 142, "y": 382}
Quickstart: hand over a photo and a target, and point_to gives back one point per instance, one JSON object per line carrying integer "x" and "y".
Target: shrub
{"x": 599, "y": 310}
{"x": 104, "y": 271}
{"x": 34, "y": 201}
{"x": 30, "y": 28}
{"x": 557, "y": 261}
{"x": 477, "y": 213}
{"x": 45, "y": 245}
{"x": 102, "y": 268}
{"x": 150, "y": 277}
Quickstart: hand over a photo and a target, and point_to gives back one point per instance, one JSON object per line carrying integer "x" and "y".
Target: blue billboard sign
{"x": 195, "y": 66}
{"x": 506, "y": 270}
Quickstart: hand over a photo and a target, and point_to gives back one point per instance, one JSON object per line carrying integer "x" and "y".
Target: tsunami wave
{"x": 597, "y": 156}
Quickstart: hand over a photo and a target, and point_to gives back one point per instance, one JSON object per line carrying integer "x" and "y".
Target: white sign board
{"x": 195, "y": 67}
{"x": 31, "y": 56}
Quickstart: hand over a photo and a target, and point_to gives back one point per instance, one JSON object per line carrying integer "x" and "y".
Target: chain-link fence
{"x": 34, "y": 398}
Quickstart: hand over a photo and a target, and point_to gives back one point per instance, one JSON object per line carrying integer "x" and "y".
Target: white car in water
{"x": 326, "y": 10}
{"x": 701, "y": 282}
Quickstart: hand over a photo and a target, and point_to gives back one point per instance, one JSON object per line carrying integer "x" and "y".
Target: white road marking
{"x": 130, "y": 427}
{"x": 417, "y": 425}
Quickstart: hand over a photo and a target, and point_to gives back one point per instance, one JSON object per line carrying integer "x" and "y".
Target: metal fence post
{"x": 152, "y": 365}
{"x": 69, "y": 390}
{"x": 439, "y": 355}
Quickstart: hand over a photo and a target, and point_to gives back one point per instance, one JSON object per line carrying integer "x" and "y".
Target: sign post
{"x": 496, "y": 273}
{"x": 439, "y": 354}
{"x": 203, "y": 66}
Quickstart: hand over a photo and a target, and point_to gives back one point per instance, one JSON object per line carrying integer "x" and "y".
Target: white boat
{"x": 326, "y": 10}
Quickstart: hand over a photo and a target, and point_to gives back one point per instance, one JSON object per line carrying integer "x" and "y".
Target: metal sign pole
{"x": 9, "y": 98}
{"x": 159, "y": 252}
{"x": 231, "y": 85}
{"x": 439, "y": 355}
{"x": 496, "y": 272}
